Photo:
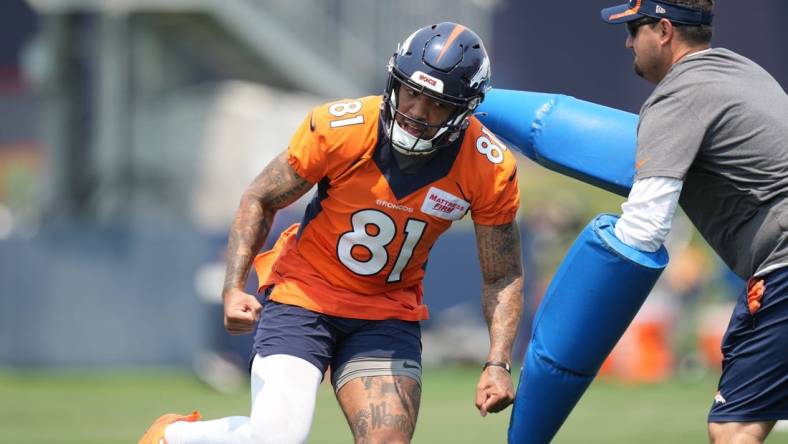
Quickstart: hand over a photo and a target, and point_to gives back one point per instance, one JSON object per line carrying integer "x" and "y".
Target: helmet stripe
{"x": 458, "y": 29}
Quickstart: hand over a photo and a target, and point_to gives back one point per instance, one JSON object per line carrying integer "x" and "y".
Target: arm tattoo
{"x": 275, "y": 187}
{"x": 502, "y": 288}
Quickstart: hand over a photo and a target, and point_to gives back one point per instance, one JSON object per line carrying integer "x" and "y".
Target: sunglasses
{"x": 633, "y": 26}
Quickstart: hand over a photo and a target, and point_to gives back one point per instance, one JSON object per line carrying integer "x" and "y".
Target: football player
{"x": 342, "y": 290}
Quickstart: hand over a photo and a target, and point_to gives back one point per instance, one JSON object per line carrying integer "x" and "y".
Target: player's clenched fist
{"x": 241, "y": 311}
{"x": 495, "y": 391}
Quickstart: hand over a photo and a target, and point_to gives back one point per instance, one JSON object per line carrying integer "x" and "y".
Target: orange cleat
{"x": 155, "y": 433}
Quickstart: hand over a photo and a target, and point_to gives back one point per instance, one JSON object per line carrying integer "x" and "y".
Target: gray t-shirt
{"x": 719, "y": 122}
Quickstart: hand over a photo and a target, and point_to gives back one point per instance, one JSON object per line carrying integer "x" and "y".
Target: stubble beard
{"x": 638, "y": 69}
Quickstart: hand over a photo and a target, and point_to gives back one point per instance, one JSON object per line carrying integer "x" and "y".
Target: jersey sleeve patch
{"x": 444, "y": 205}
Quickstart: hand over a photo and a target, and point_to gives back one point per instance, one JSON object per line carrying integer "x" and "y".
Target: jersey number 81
{"x": 375, "y": 241}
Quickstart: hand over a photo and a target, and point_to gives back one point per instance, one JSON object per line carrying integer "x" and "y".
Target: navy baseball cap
{"x": 657, "y": 9}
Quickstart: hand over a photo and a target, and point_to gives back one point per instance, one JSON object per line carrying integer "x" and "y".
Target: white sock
{"x": 284, "y": 389}
{"x": 234, "y": 429}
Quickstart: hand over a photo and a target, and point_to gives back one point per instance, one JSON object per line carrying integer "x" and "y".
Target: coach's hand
{"x": 241, "y": 311}
{"x": 495, "y": 390}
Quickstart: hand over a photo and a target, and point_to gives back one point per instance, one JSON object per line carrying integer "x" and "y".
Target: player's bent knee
{"x": 378, "y": 425}
{"x": 378, "y": 405}
{"x": 739, "y": 432}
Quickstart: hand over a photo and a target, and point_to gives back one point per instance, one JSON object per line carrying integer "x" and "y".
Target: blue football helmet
{"x": 446, "y": 62}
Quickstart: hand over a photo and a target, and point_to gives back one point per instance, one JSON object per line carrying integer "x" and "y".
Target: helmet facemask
{"x": 446, "y": 132}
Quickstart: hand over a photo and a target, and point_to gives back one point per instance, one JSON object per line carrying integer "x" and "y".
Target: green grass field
{"x": 58, "y": 408}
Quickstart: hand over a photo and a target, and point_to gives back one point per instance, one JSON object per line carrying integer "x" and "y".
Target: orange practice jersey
{"x": 362, "y": 246}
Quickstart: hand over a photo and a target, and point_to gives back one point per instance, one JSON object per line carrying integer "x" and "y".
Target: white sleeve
{"x": 648, "y": 212}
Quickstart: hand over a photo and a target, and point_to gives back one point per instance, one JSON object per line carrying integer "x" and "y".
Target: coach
{"x": 713, "y": 137}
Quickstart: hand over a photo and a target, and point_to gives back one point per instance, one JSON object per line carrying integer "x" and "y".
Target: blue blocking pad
{"x": 593, "y": 297}
{"x": 587, "y": 141}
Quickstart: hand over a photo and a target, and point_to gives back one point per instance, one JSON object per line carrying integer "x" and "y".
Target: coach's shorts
{"x": 754, "y": 381}
{"x": 351, "y": 347}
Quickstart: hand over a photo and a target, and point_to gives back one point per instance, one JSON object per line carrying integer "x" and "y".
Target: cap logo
{"x": 428, "y": 81}
{"x": 661, "y": 10}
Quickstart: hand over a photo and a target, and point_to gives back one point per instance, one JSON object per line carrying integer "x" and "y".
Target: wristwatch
{"x": 504, "y": 365}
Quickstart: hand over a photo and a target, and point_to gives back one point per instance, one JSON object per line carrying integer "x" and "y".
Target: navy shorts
{"x": 332, "y": 341}
{"x": 754, "y": 381}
